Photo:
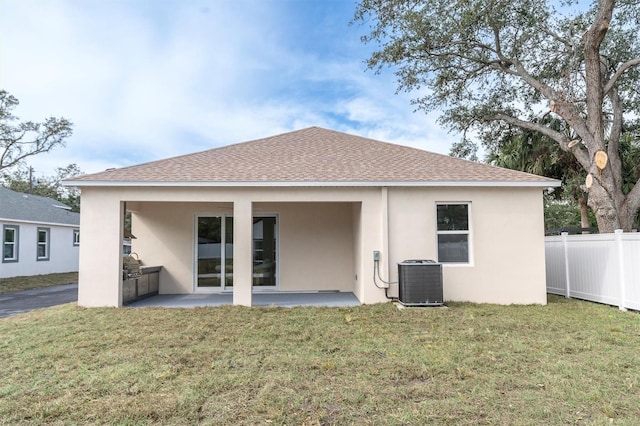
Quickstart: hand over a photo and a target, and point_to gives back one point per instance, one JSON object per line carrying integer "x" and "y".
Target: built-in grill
{"x": 138, "y": 281}
{"x": 131, "y": 265}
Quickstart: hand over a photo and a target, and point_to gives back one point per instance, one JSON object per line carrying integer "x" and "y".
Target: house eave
{"x": 229, "y": 184}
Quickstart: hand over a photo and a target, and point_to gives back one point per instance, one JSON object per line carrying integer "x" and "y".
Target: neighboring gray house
{"x": 39, "y": 235}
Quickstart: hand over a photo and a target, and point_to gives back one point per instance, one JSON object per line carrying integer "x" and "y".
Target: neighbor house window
{"x": 453, "y": 233}
{"x": 43, "y": 243}
{"x": 76, "y": 237}
{"x": 10, "y": 243}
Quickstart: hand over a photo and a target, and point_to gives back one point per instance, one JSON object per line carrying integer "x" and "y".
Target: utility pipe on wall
{"x": 385, "y": 233}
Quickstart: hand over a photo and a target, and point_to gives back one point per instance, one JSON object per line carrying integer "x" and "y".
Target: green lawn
{"x": 570, "y": 362}
{"x": 36, "y": 281}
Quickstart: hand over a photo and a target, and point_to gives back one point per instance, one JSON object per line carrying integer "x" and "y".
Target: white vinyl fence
{"x": 603, "y": 268}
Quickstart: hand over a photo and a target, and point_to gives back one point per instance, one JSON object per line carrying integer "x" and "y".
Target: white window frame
{"x": 76, "y": 237}
{"x": 468, "y": 232}
{"x": 46, "y": 244}
{"x": 14, "y": 243}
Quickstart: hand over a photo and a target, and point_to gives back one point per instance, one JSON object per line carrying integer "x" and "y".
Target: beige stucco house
{"x": 305, "y": 211}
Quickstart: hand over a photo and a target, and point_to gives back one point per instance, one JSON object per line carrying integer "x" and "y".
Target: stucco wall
{"x": 507, "y": 241}
{"x": 316, "y": 245}
{"x": 63, "y": 255}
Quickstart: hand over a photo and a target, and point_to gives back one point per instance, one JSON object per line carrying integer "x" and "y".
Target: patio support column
{"x": 100, "y": 263}
{"x": 242, "y": 259}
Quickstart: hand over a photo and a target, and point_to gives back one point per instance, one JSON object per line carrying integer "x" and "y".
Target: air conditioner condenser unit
{"x": 420, "y": 283}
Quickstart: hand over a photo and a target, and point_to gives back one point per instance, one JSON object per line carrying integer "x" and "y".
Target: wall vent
{"x": 420, "y": 283}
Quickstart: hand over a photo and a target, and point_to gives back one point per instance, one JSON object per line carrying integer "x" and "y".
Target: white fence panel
{"x": 631, "y": 271}
{"x": 593, "y": 269}
{"x": 556, "y": 276}
{"x": 603, "y": 268}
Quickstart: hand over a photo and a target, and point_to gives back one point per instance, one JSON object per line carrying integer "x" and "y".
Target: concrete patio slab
{"x": 282, "y": 299}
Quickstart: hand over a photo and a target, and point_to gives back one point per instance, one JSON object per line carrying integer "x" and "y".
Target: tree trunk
{"x": 584, "y": 214}
{"x": 605, "y": 207}
{"x": 626, "y": 218}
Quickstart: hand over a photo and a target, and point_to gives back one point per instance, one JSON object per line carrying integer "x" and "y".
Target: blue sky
{"x": 144, "y": 80}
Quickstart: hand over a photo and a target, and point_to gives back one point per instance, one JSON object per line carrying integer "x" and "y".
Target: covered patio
{"x": 280, "y": 299}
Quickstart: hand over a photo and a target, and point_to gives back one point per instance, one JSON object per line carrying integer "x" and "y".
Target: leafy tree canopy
{"x": 22, "y": 139}
{"x": 563, "y": 216}
{"x": 493, "y": 65}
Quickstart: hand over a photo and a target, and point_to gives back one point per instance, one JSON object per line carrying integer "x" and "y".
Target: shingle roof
{"x": 312, "y": 155}
{"x": 33, "y": 208}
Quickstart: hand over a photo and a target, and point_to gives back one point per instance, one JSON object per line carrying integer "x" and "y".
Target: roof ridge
{"x": 147, "y": 163}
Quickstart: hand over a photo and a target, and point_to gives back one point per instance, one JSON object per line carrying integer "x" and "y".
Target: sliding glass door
{"x": 214, "y": 252}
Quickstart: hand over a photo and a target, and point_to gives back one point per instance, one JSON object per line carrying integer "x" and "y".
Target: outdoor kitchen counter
{"x": 150, "y": 269}
{"x": 145, "y": 285}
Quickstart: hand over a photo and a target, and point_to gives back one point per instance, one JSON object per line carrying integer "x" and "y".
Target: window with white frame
{"x": 10, "y": 234}
{"x": 43, "y": 243}
{"x": 453, "y": 232}
{"x": 76, "y": 237}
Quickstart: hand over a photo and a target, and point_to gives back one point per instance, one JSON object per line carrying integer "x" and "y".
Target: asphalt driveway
{"x": 22, "y": 301}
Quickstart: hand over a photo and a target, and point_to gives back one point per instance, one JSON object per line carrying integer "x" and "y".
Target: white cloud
{"x": 148, "y": 80}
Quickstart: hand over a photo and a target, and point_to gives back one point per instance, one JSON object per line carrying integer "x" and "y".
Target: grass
{"x": 569, "y": 362}
{"x": 36, "y": 281}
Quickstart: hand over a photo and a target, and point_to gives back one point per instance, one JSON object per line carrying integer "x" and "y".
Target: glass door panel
{"x": 209, "y": 253}
{"x": 214, "y": 253}
{"x": 264, "y": 251}
{"x": 228, "y": 251}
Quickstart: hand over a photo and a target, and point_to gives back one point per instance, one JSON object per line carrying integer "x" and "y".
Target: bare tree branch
{"x": 562, "y": 140}
{"x": 614, "y": 79}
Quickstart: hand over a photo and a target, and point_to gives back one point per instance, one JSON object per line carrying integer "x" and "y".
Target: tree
{"x": 21, "y": 180}
{"x": 19, "y": 140}
{"x": 492, "y": 65}
{"x": 533, "y": 152}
